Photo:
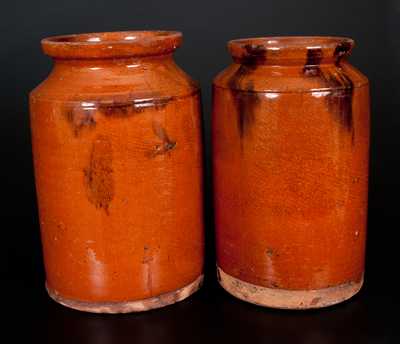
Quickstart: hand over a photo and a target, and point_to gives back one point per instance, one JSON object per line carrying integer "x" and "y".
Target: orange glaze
{"x": 116, "y": 133}
{"x": 290, "y": 156}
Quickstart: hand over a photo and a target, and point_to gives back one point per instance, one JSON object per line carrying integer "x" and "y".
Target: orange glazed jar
{"x": 290, "y": 150}
{"x": 116, "y": 134}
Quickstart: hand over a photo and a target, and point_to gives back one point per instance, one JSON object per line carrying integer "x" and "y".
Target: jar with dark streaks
{"x": 116, "y": 134}
{"x": 290, "y": 130}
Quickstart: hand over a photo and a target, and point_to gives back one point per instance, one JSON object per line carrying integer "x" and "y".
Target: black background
{"x": 211, "y": 314}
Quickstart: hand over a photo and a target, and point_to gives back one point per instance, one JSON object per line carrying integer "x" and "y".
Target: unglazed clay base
{"x": 130, "y": 306}
{"x": 287, "y": 299}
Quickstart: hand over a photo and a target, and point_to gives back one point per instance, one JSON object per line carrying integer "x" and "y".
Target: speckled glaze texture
{"x": 116, "y": 134}
{"x": 290, "y": 159}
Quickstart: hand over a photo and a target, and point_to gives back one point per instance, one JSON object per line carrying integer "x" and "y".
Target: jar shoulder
{"x": 265, "y": 78}
{"x": 128, "y": 82}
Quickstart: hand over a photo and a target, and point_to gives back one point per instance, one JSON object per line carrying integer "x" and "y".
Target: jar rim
{"x": 264, "y": 49}
{"x": 112, "y": 44}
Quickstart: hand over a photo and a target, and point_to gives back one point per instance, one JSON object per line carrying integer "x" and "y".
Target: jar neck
{"x": 290, "y": 51}
{"x": 116, "y": 62}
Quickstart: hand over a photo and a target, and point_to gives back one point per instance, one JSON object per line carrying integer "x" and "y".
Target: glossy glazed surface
{"x": 118, "y": 164}
{"x": 290, "y": 150}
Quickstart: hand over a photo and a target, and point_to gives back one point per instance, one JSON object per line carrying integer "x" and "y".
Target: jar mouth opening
{"x": 295, "y": 48}
{"x": 112, "y": 44}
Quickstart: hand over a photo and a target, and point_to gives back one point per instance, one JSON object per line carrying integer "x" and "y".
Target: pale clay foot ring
{"x": 130, "y": 306}
{"x": 287, "y": 299}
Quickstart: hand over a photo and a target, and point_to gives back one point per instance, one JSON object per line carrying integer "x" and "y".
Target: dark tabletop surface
{"x": 211, "y": 314}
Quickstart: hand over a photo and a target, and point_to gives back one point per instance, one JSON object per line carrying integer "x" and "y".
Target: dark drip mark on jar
{"x": 245, "y": 97}
{"x": 166, "y": 143}
{"x": 340, "y": 51}
{"x": 98, "y": 176}
{"x": 339, "y": 100}
{"x": 80, "y": 118}
{"x": 255, "y": 53}
{"x": 312, "y": 65}
{"x": 345, "y": 99}
{"x": 115, "y": 108}
{"x": 246, "y": 102}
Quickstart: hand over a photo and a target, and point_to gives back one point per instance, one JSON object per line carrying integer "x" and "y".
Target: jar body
{"x": 118, "y": 167}
{"x": 290, "y": 150}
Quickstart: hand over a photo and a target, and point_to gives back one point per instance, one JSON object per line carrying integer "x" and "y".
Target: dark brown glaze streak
{"x": 339, "y": 101}
{"x": 244, "y": 95}
{"x": 312, "y": 67}
{"x": 126, "y": 108}
{"x": 340, "y": 51}
{"x": 345, "y": 100}
{"x": 98, "y": 175}
{"x": 79, "y": 118}
{"x": 84, "y": 117}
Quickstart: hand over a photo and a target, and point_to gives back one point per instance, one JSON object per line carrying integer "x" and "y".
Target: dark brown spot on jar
{"x": 98, "y": 176}
{"x": 315, "y": 301}
{"x": 274, "y": 285}
{"x": 80, "y": 118}
{"x": 166, "y": 144}
{"x": 270, "y": 252}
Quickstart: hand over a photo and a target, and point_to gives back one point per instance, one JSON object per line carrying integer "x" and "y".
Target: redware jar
{"x": 118, "y": 164}
{"x": 290, "y": 150}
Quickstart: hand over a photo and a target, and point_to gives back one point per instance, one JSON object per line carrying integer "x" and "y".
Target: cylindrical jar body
{"x": 290, "y": 159}
{"x": 117, "y": 151}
